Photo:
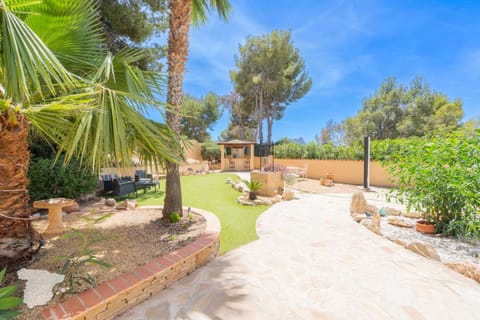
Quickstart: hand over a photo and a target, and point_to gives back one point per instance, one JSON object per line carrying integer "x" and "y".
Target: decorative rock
{"x": 128, "y": 205}
{"x": 73, "y": 208}
{"x": 399, "y": 222}
{"x": 288, "y": 195}
{"x": 371, "y": 209}
{"x": 359, "y": 217}
{"x": 111, "y": 202}
{"x": 424, "y": 249}
{"x": 392, "y": 211}
{"x": 229, "y": 181}
{"x": 358, "y": 203}
{"x": 240, "y": 186}
{"x": 412, "y": 215}
{"x": 372, "y": 224}
{"x": 400, "y": 242}
{"x": 38, "y": 290}
{"x": 466, "y": 268}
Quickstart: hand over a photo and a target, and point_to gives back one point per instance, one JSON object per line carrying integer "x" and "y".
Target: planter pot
{"x": 330, "y": 176}
{"x": 328, "y": 183}
{"x": 425, "y": 227}
{"x": 322, "y": 181}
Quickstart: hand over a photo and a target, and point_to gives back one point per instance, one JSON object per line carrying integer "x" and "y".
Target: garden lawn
{"x": 210, "y": 192}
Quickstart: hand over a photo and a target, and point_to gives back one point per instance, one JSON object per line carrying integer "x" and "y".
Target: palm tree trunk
{"x": 177, "y": 56}
{"x": 16, "y": 234}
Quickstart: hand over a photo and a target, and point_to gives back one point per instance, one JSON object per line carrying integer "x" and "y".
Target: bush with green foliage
{"x": 314, "y": 150}
{"x": 174, "y": 217}
{"x": 50, "y": 179}
{"x": 7, "y": 300}
{"x": 210, "y": 151}
{"x": 439, "y": 176}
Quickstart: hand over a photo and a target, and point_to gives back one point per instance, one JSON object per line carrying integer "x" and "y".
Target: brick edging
{"x": 119, "y": 294}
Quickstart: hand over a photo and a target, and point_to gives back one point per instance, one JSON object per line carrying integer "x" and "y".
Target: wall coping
{"x": 139, "y": 284}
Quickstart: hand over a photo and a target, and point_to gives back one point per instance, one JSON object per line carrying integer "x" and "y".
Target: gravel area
{"x": 449, "y": 249}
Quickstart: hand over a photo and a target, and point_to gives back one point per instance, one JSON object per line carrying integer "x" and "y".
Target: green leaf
{"x": 10, "y": 302}
{"x": 7, "y": 291}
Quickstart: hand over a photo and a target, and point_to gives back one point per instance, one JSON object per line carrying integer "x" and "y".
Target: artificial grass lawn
{"x": 210, "y": 192}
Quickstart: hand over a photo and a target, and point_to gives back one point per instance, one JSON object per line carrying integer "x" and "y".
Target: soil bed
{"x": 132, "y": 238}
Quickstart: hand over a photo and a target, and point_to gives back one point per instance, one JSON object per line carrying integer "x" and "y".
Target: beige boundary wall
{"x": 345, "y": 171}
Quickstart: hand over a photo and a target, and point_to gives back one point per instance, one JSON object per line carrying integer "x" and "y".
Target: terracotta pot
{"x": 330, "y": 176}
{"x": 425, "y": 227}
{"x": 322, "y": 181}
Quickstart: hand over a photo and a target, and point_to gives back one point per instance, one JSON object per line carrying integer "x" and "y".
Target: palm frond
{"x": 72, "y": 30}
{"x": 28, "y": 65}
{"x": 201, "y": 8}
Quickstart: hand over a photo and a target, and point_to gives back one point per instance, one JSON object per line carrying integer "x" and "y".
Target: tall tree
{"x": 56, "y": 79}
{"x": 270, "y": 74}
{"x": 198, "y": 116}
{"x": 242, "y": 122}
{"x": 180, "y": 14}
{"x": 402, "y": 111}
{"x": 331, "y": 133}
{"x": 131, "y": 23}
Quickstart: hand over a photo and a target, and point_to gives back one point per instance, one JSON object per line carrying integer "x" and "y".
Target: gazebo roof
{"x": 236, "y": 142}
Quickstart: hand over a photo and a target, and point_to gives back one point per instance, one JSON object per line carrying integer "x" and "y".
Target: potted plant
{"x": 253, "y": 187}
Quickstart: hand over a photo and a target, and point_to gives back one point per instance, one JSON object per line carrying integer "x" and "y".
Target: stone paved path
{"x": 313, "y": 262}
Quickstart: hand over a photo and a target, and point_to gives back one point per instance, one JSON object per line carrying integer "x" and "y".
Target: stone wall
{"x": 271, "y": 182}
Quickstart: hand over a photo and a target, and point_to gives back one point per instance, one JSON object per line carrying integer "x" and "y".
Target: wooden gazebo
{"x": 237, "y": 155}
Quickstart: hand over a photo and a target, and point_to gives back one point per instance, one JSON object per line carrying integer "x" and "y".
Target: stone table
{"x": 54, "y": 206}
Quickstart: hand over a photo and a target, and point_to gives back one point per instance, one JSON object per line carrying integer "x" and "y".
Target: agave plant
{"x": 7, "y": 301}
{"x": 57, "y": 79}
{"x": 253, "y": 187}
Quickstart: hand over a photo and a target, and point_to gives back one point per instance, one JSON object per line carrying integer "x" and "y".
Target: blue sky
{"x": 349, "y": 48}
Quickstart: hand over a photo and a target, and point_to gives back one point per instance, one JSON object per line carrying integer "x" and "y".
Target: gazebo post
{"x": 222, "y": 157}
{"x": 252, "y": 158}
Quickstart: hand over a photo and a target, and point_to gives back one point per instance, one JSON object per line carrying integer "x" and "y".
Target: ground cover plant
{"x": 210, "y": 192}
{"x": 439, "y": 176}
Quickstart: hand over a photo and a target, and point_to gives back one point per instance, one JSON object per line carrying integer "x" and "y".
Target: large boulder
{"x": 358, "y": 204}
{"x": 399, "y": 222}
{"x": 424, "y": 249}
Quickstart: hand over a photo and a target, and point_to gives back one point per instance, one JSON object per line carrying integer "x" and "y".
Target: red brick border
{"x": 119, "y": 294}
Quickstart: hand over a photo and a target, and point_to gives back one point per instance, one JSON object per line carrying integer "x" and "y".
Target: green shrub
{"x": 210, "y": 151}
{"x": 7, "y": 301}
{"x": 439, "y": 176}
{"x": 174, "y": 217}
{"x": 50, "y": 179}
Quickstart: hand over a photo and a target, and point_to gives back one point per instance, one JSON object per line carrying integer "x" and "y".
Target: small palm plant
{"x": 7, "y": 302}
{"x": 253, "y": 187}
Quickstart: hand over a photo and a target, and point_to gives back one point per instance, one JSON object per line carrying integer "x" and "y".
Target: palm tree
{"x": 57, "y": 80}
{"x": 181, "y": 12}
